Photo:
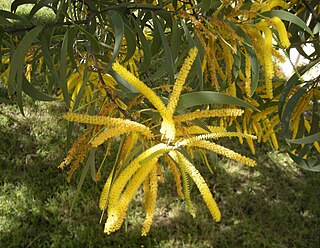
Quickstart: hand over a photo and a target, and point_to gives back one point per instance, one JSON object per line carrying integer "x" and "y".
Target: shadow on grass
{"x": 272, "y": 205}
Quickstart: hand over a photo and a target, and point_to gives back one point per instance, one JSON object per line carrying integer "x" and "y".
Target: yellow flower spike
{"x": 267, "y": 56}
{"x": 223, "y": 151}
{"x": 127, "y": 173}
{"x": 108, "y": 121}
{"x": 185, "y": 182}
{"x": 180, "y": 81}
{"x": 200, "y": 130}
{"x": 207, "y": 114}
{"x": 269, "y": 5}
{"x": 116, "y": 131}
{"x": 248, "y": 74}
{"x": 201, "y": 184}
{"x": 283, "y": 35}
{"x": 76, "y": 147}
{"x": 193, "y": 140}
{"x": 150, "y": 95}
{"x": 117, "y": 213}
{"x": 176, "y": 176}
{"x": 150, "y": 201}
{"x": 105, "y": 192}
{"x": 128, "y": 145}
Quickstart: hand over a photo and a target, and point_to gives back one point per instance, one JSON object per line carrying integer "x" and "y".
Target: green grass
{"x": 273, "y": 205}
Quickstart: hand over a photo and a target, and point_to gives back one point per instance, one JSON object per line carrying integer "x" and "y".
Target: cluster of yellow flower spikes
{"x": 140, "y": 169}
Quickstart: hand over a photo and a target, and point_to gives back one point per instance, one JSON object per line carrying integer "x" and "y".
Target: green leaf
{"x": 176, "y": 39}
{"x": 130, "y": 41}
{"x": 10, "y": 15}
{"x": 166, "y": 48}
{"x": 118, "y": 28}
{"x": 17, "y": 62}
{"x": 33, "y": 92}
{"x": 287, "y": 16}
{"x": 48, "y": 60}
{"x": 289, "y": 108}
{"x": 144, "y": 46}
{"x": 197, "y": 62}
{"x": 15, "y": 4}
{"x": 89, "y": 164}
{"x": 209, "y": 97}
{"x": 63, "y": 69}
{"x": 293, "y": 81}
{"x": 306, "y": 140}
{"x": 310, "y": 164}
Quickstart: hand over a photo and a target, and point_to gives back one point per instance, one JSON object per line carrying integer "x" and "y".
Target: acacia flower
{"x": 150, "y": 200}
{"x": 201, "y": 184}
{"x": 119, "y": 130}
{"x": 180, "y": 81}
{"x": 283, "y": 35}
{"x": 192, "y": 140}
{"x": 117, "y": 213}
{"x": 207, "y": 114}
{"x": 267, "y": 56}
{"x": 130, "y": 169}
{"x": 224, "y": 151}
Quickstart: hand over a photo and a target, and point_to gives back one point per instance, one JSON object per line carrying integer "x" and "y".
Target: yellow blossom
{"x": 223, "y": 151}
{"x": 130, "y": 169}
{"x": 207, "y": 114}
{"x": 201, "y": 184}
{"x": 267, "y": 57}
{"x": 192, "y": 140}
{"x": 283, "y": 35}
{"x": 176, "y": 176}
{"x": 117, "y": 213}
{"x": 180, "y": 81}
{"x": 150, "y": 201}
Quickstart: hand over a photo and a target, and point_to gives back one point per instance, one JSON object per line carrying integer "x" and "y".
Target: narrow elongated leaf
{"x": 306, "y": 140}
{"x": 16, "y": 3}
{"x": 130, "y": 40}
{"x": 175, "y": 39}
{"x": 10, "y": 15}
{"x": 144, "y": 46}
{"x": 155, "y": 45}
{"x": 48, "y": 60}
{"x": 63, "y": 69}
{"x": 33, "y": 92}
{"x": 209, "y": 97}
{"x": 118, "y": 29}
{"x": 293, "y": 81}
{"x": 89, "y": 164}
{"x": 166, "y": 48}
{"x": 287, "y": 16}
{"x": 197, "y": 62}
{"x": 17, "y": 61}
{"x": 289, "y": 108}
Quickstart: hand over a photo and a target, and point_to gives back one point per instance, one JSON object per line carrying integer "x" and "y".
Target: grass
{"x": 273, "y": 205}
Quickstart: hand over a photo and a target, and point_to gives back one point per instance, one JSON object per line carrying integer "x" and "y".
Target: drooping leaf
{"x": 209, "y": 97}
{"x": 63, "y": 69}
{"x": 118, "y": 29}
{"x": 33, "y": 92}
{"x": 306, "y": 140}
{"x": 144, "y": 46}
{"x": 166, "y": 48}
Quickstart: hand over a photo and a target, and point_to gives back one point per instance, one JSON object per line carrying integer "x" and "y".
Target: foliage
{"x": 231, "y": 47}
